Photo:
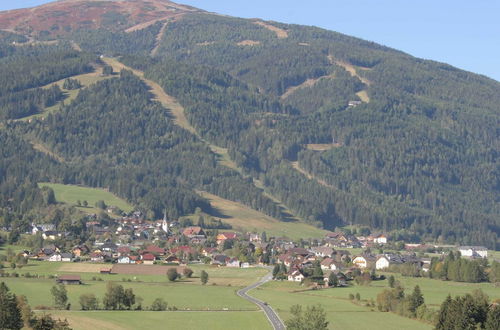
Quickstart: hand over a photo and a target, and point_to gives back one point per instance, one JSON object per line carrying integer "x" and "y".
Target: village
{"x": 134, "y": 240}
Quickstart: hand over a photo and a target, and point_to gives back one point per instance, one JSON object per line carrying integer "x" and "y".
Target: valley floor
{"x": 216, "y": 305}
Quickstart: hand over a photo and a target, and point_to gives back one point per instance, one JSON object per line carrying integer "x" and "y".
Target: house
{"x": 295, "y": 276}
{"x": 473, "y": 251}
{"x": 221, "y": 238}
{"x": 380, "y": 239}
{"x": 96, "y": 257}
{"x": 193, "y": 231}
{"x": 153, "y": 249}
{"x": 69, "y": 279}
{"x": 382, "y": 262}
{"x": 124, "y": 260}
{"x": 354, "y": 103}
{"x": 208, "y": 251}
{"x": 55, "y": 257}
{"x": 299, "y": 252}
{"x": 66, "y": 257}
{"x": 245, "y": 265}
{"x": 322, "y": 251}
{"x": 80, "y": 250}
{"x": 233, "y": 262}
{"x": 51, "y": 235}
{"x": 123, "y": 250}
{"x": 172, "y": 259}
{"x": 364, "y": 261}
{"x": 220, "y": 260}
{"x": 148, "y": 259}
{"x": 329, "y": 264}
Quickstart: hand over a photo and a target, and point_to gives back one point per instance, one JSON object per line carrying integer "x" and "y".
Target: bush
{"x": 159, "y": 305}
{"x": 188, "y": 272}
{"x": 172, "y": 274}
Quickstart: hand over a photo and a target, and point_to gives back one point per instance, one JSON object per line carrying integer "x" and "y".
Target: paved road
{"x": 270, "y": 313}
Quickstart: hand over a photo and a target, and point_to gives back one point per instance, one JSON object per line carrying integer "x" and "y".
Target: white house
{"x": 363, "y": 261}
{"x": 55, "y": 257}
{"x": 328, "y": 264}
{"x": 233, "y": 263}
{"x": 380, "y": 239}
{"x": 295, "y": 276}
{"x": 473, "y": 251}
{"x": 382, "y": 262}
{"x": 124, "y": 260}
{"x": 322, "y": 251}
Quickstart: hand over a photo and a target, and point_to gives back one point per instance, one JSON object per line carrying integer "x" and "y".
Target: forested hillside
{"x": 405, "y": 145}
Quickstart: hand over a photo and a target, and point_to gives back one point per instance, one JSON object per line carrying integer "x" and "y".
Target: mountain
{"x": 294, "y": 121}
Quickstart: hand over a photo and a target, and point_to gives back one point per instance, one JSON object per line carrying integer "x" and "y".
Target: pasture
{"x": 70, "y": 194}
{"x": 244, "y": 219}
{"x": 344, "y": 314}
{"x": 186, "y": 320}
{"x": 219, "y": 276}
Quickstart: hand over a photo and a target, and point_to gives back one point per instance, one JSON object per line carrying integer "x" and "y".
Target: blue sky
{"x": 463, "y": 33}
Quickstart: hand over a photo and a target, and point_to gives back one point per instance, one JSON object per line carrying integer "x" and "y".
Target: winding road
{"x": 270, "y": 313}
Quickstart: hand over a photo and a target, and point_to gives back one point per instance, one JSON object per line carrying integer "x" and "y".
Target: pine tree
{"x": 415, "y": 300}
{"x": 10, "y": 315}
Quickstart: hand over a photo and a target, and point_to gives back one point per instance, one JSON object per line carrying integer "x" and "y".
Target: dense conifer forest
{"x": 411, "y": 146}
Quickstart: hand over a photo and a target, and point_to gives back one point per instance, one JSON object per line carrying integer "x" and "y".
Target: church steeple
{"x": 164, "y": 224}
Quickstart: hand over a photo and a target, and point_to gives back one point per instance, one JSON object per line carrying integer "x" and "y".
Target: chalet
{"x": 222, "y": 237}
{"x": 42, "y": 228}
{"x": 155, "y": 250}
{"x": 97, "y": 257}
{"x": 299, "y": 252}
{"x": 148, "y": 259}
{"x": 123, "y": 250}
{"x": 329, "y": 264}
{"x": 69, "y": 279}
{"x": 364, "y": 261}
{"x": 382, "y": 262}
{"x": 80, "y": 250}
{"x": 208, "y": 251}
{"x": 194, "y": 231}
{"x": 295, "y": 276}
{"x": 473, "y": 251}
{"x": 220, "y": 260}
{"x": 322, "y": 251}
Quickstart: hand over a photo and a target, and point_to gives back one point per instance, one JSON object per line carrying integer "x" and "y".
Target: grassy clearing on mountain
{"x": 70, "y": 194}
{"x": 246, "y": 219}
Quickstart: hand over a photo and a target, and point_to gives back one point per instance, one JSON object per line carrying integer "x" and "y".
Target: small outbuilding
{"x": 69, "y": 279}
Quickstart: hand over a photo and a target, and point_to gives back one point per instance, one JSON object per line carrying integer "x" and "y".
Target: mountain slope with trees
{"x": 417, "y": 154}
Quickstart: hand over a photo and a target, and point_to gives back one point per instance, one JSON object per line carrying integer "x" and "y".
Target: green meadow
{"x": 70, "y": 194}
{"x": 186, "y": 320}
{"x": 344, "y": 314}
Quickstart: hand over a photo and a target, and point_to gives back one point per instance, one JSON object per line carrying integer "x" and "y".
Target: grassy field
{"x": 341, "y": 312}
{"x": 344, "y": 314}
{"x": 184, "y": 297}
{"x": 70, "y": 194}
{"x": 165, "y": 320}
{"x": 246, "y": 219}
{"x": 220, "y": 276}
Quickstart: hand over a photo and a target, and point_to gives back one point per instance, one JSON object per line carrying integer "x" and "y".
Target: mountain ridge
{"x": 416, "y": 141}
